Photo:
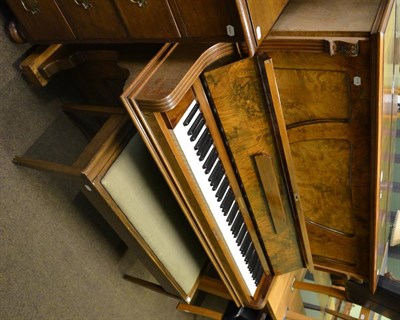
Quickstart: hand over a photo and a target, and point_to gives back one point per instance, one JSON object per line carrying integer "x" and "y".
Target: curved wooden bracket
{"x": 43, "y": 63}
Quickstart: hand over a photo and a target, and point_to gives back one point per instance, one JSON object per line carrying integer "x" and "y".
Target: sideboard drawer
{"x": 150, "y": 20}
{"x": 93, "y": 19}
{"x": 36, "y": 17}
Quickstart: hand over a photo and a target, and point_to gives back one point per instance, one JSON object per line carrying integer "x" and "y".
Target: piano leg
{"x": 234, "y": 313}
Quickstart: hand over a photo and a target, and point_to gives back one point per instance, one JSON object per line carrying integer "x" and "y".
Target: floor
{"x": 58, "y": 258}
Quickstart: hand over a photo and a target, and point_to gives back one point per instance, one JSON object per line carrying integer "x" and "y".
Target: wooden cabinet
{"x": 36, "y": 17}
{"x": 154, "y": 20}
{"x": 209, "y": 18}
{"x": 263, "y": 20}
{"x": 93, "y": 19}
{"x": 99, "y": 21}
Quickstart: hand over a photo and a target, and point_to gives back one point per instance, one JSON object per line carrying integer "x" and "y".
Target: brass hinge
{"x": 342, "y": 47}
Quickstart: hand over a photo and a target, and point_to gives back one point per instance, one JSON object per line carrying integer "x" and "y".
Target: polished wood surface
{"x": 210, "y": 314}
{"x": 122, "y": 21}
{"x": 271, "y": 190}
{"x": 209, "y": 19}
{"x": 36, "y": 26}
{"x": 144, "y": 22}
{"x": 257, "y": 18}
{"x": 30, "y": 66}
{"x": 170, "y": 83}
{"x": 333, "y": 292}
{"x": 99, "y": 20}
{"x": 333, "y": 113}
{"x": 329, "y": 153}
{"x": 264, "y": 14}
{"x": 237, "y": 95}
{"x": 282, "y": 297}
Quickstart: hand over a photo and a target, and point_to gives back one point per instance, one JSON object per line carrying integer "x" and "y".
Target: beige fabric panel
{"x": 138, "y": 188}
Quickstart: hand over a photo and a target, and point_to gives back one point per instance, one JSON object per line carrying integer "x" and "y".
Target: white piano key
{"x": 201, "y": 178}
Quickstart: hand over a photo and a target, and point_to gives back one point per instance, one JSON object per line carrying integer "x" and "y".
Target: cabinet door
{"x": 93, "y": 19}
{"x": 263, "y": 14}
{"x": 36, "y": 16}
{"x": 153, "y": 19}
{"x": 208, "y": 18}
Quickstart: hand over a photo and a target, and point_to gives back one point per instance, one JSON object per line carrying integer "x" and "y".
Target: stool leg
{"x": 199, "y": 311}
{"x": 333, "y": 292}
{"x": 93, "y": 110}
{"x": 149, "y": 285}
{"x": 214, "y": 286}
{"x": 49, "y": 166}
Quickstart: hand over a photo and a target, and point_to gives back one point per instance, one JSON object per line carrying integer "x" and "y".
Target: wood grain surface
{"x": 247, "y": 126}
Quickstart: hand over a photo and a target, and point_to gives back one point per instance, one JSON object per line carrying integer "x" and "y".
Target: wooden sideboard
{"x": 94, "y": 21}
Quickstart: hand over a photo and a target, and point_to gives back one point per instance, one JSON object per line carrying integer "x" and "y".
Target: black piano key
{"x": 245, "y": 244}
{"x": 253, "y": 260}
{"x": 201, "y": 140}
{"x": 241, "y": 235}
{"x": 206, "y": 147}
{"x": 195, "y": 124}
{"x": 208, "y": 164}
{"x": 259, "y": 275}
{"x": 236, "y": 225}
{"x": 237, "y": 229}
{"x": 218, "y": 179}
{"x": 250, "y": 264}
{"x": 248, "y": 253}
{"x": 256, "y": 269}
{"x": 232, "y": 213}
{"x": 197, "y": 129}
{"x": 191, "y": 115}
{"x": 222, "y": 189}
{"x": 232, "y": 217}
{"x": 227, "y": 201}
{"x": 214, "y": 173}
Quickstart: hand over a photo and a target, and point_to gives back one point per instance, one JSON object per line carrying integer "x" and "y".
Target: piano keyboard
{"x": 197, "y": 146}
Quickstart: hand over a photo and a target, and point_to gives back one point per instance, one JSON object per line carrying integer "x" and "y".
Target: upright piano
{"x": 177, "y": 122}
{"x": 277, "y": 159}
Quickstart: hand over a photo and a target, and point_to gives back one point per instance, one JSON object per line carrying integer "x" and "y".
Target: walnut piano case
{"x": 176, "y": 116}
